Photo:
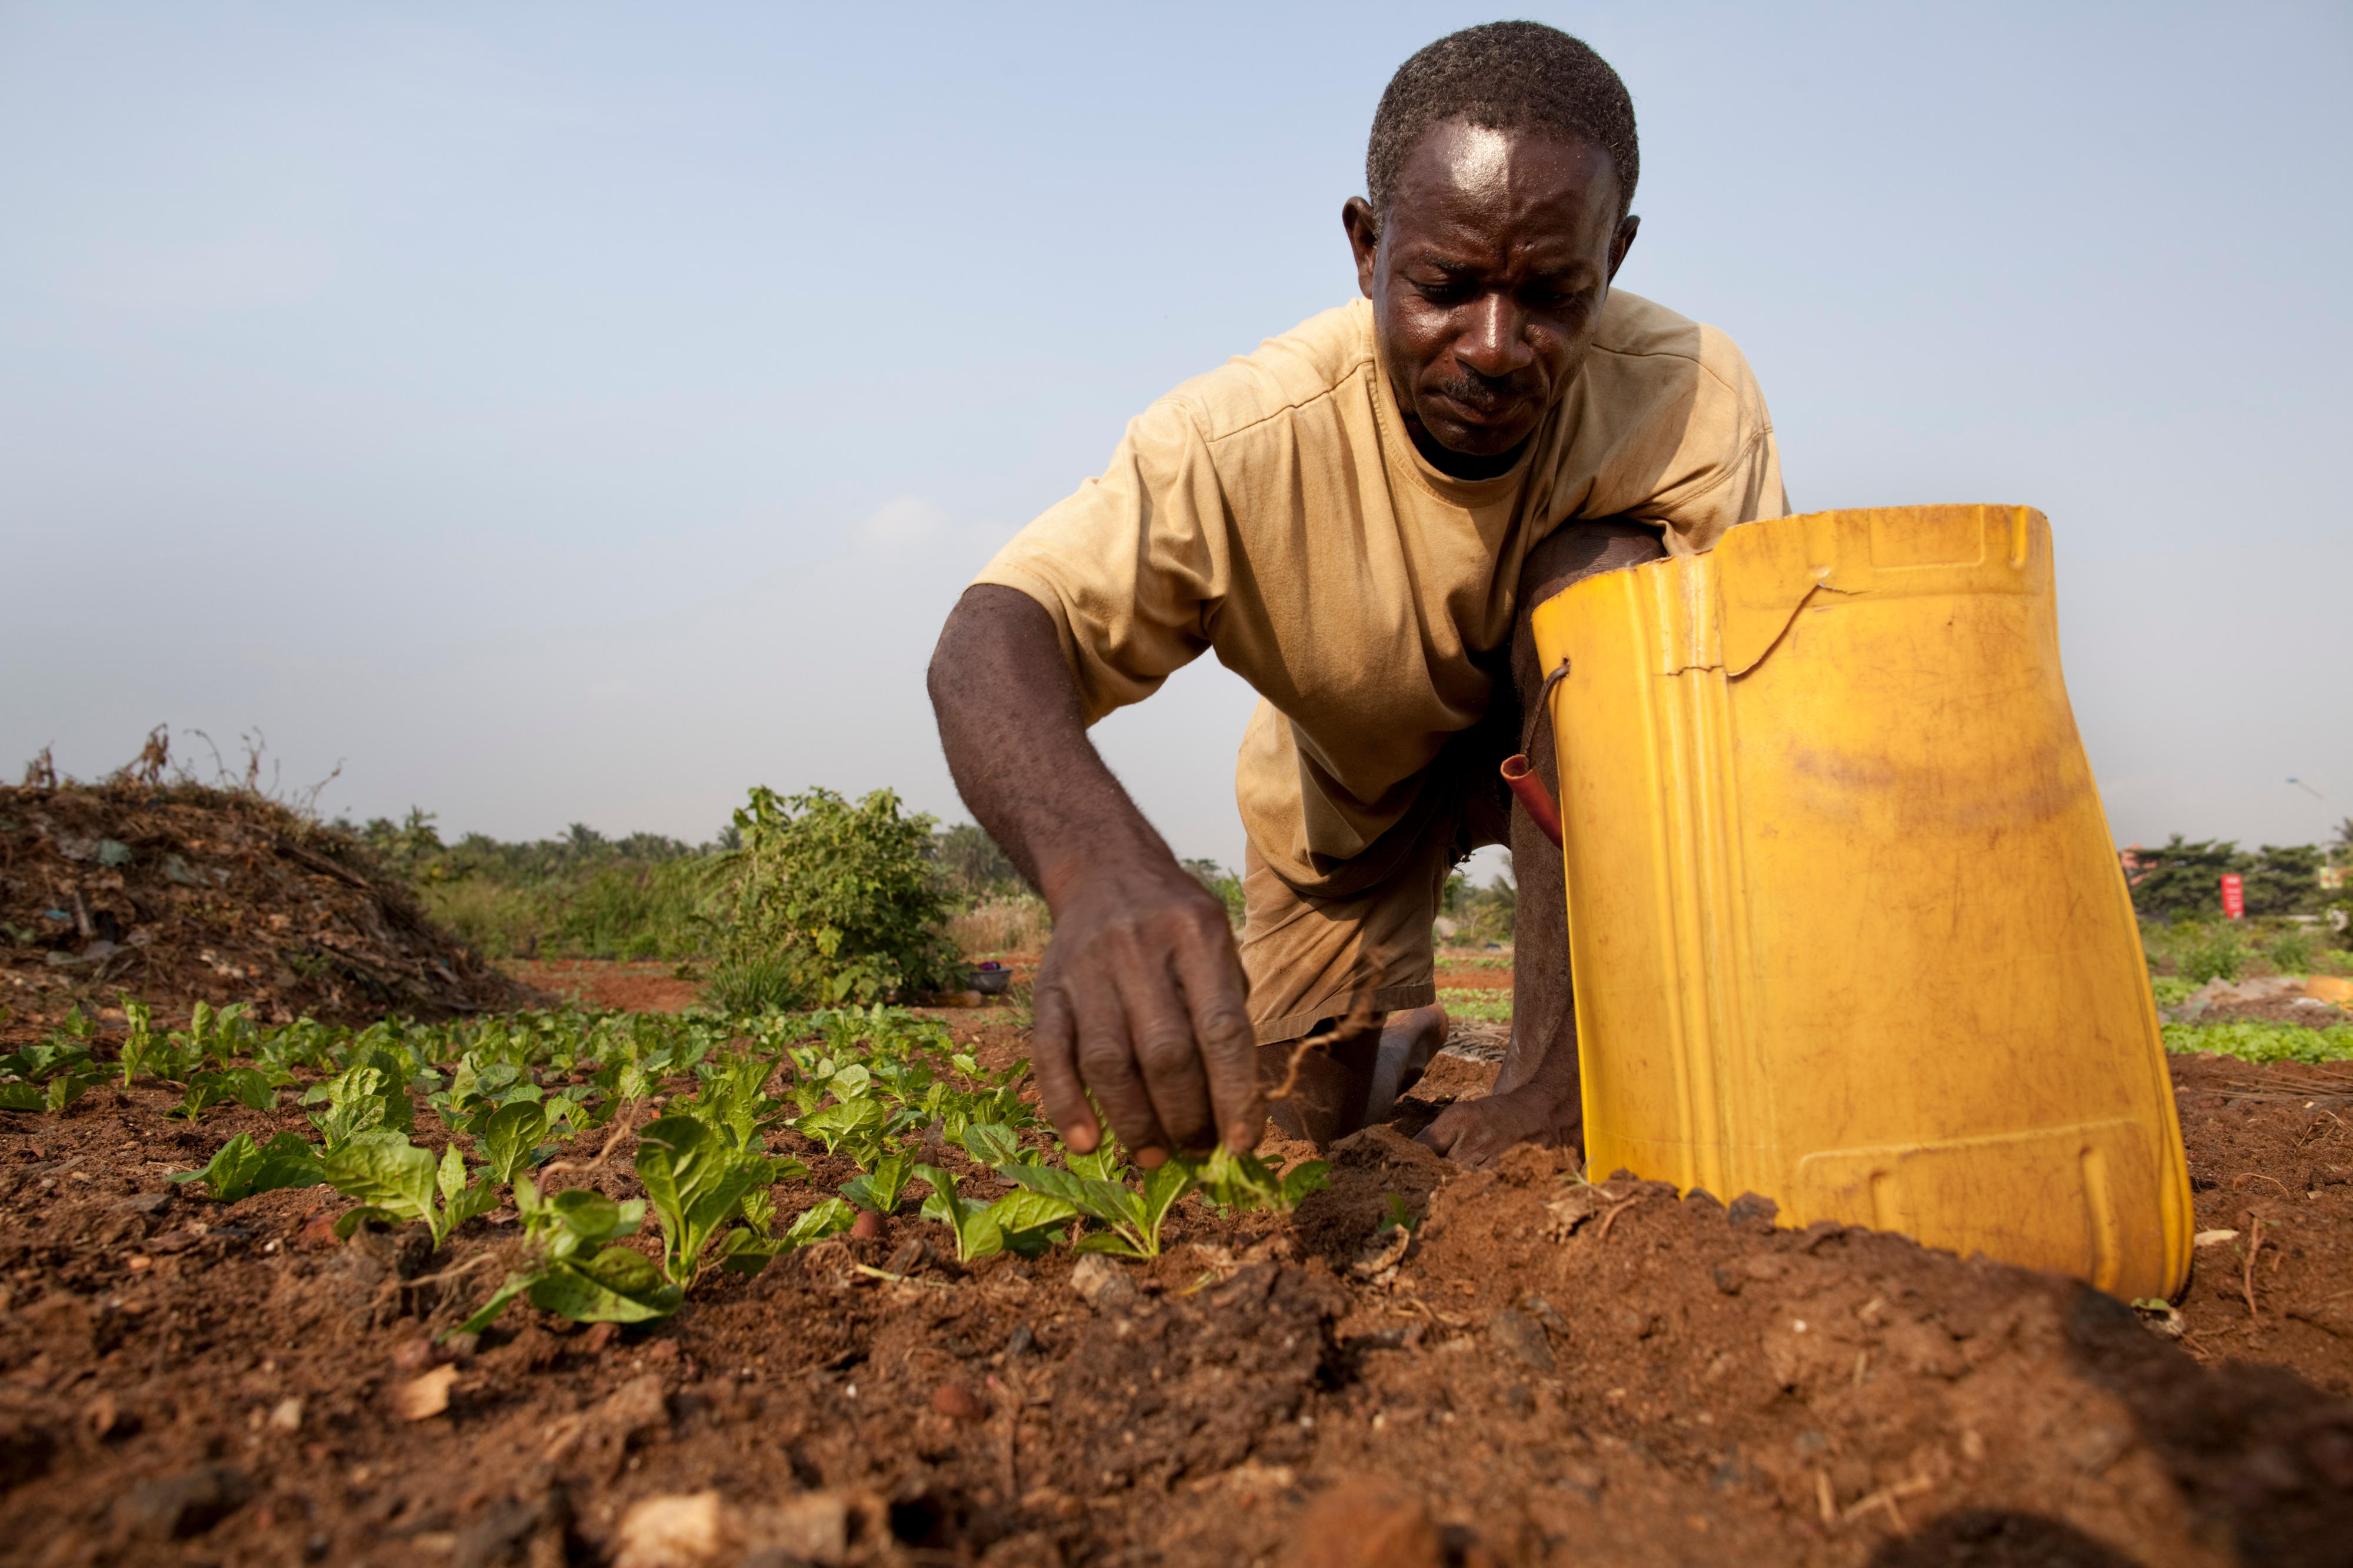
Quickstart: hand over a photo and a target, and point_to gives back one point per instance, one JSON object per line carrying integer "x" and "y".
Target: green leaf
{"x": 620, "y": 1285}
{"x": 1026, "y": 1210}
{"x": 1306, "y": 1177}
{"x": 385, "y": 1171}
{"x": 843, "y": 1121}
{"x": 830, "y": 1217}
{"x": 1109, "y": 1241}
{"x": 230, "y": 1170}
{"x": 23, "y": 1096}
{"x": 976, "y": 1233}
{"x": 1105, "y": 1201}
{"x": 695, "y": 1181}
{"x": 880, "y": 1190}
{"x": 250, "y": 1087}
{"x": 1103, "y": 1165}
{"x": 451, "y": 1177}
{"x": 65, "y": 1088}
{"x": 511, "y": 1136}
{"x": 991, "y": 1144}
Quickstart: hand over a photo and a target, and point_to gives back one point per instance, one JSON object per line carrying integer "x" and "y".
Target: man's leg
{"x": 1535, "y": 1098}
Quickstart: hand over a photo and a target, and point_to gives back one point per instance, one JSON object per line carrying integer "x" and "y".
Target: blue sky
{"x": 582, "y": 413}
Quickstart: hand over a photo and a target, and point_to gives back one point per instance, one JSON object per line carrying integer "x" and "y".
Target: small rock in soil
{"x": 412, "y": 1355}
{"x": 1021, "y": 1342}
{"x": 957, "y": 1403}
{"x": 679, "y": 1531}
{"x": 691, "y": 1530}
{"x": 1519, "y": 1335}
{"x": 1102, "y": 1283}
{"x": 865, "y": 1226}
{"x": 285, "y": 1416}
{"x": 638, "y": 1408}
{"x": 598, "y": 1336}
{"x": 1361, "y": 1525}
{"x": 187, "y": 1504}
{"x": 424, "y": 1396}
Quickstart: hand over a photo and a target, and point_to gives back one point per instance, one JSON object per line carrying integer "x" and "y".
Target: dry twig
{"x": 2247, "y": 1270}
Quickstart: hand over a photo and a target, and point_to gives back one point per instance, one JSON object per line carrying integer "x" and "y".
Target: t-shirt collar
{"x": 1397, "y": 446}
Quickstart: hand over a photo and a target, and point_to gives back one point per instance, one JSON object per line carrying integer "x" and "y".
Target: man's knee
{"x": 1578, "y": 550}
{"x": 1571, "y": 554}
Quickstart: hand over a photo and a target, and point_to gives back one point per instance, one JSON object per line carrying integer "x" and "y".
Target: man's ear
{"x": 1622, "y": 241}
{"x": 1364, "y": 228}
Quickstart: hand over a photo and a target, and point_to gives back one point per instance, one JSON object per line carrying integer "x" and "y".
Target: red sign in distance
{"x": 2235, "y": 896}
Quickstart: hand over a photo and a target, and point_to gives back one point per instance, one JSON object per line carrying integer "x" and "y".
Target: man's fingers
{"x": 1107, "y": 1064}
{"x": 1053, "y": 1052}
{"x": 1170, "y": 1060}
{"x": 1220, "y": 1026}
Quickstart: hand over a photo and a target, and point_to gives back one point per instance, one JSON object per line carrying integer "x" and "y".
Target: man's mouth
{"x": 1481, "y": 404}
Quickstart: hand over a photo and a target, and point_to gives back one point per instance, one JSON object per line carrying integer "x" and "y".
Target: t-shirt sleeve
{"x": 1134, "y": 565}
{"x": 1682, "y": 438}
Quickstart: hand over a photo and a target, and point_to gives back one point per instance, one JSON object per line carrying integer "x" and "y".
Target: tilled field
{"x": 1543, "y": 1372}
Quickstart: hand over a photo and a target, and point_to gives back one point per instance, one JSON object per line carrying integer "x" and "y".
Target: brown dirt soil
{"x": 1545, "y": 1371}
{"x": 647, "y": 987}
{"x": 175, "y": 892}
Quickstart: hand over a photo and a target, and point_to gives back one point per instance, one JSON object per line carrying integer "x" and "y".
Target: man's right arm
{"x": 1140, "y": 996}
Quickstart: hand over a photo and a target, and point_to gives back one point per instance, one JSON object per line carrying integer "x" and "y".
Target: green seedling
{"x": 1398, "y": 1217}
{"x": 990, "y": 1144}
{"x": 1244, "y": 1183}
{"x": 829, "y": 1217}
{"x": 60, "y": 1090}
{"x": 510, "y": 1139}
{"x": 845, "y": 1121}
{"x": 969, "y": 1220}
{"x": 1028, "y": 1219}
{"x": 395, "y": 1181}
{"x": 239, "y": 1170}
{"x": 879, "y": 1190}
{"x": 578, "y": 1269}
{"x": 369, "y": 1095}
{"x": 697, "y": 1182}
{"x": 1135, "y": 1216}
{"x": 247, "y": 1085}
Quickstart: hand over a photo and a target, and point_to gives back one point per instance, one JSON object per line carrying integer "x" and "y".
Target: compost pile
{"x": 175, "y": 892}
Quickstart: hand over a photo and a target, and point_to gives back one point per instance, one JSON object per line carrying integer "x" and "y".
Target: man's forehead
{"x": 1461, "y": 172}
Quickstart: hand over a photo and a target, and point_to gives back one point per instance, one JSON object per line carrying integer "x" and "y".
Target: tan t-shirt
{"x": 1275, "y": 510}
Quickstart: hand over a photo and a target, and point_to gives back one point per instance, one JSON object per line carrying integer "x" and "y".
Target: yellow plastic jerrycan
{"x": 1845, "y": 920}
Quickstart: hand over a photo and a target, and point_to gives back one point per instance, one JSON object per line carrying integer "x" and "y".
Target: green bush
{"x": 2214, "y": 953}
{"x": 1222, "y": 882}
{"x": 843, "y": 895}
{"x": 2290, "y": 952}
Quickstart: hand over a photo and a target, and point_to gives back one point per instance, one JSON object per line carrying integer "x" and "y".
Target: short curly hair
{"x": 1505, "y": 76}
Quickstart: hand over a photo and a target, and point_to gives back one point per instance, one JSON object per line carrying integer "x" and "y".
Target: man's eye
{"x": 1444, "y": 291}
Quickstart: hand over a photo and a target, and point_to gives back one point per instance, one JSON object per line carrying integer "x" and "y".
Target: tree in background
{"x": 973, "y": 867}
{"x": 832, "y": 900}
{"x": 2182, "y": 880}
{"x": 1222, "y": 882}
{"x": 2285, "y": 880}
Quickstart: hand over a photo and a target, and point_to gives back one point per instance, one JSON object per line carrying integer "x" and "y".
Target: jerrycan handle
{"x": 1520, "y": 773}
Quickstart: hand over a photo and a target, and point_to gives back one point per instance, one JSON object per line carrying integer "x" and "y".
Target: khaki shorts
{"x": 1364, "y": 937}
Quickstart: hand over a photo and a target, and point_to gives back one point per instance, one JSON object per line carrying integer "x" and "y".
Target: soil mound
{"x": 173, "y": 892}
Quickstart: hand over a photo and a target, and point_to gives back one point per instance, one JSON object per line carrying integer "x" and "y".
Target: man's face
{"x": 1487, "y": 280}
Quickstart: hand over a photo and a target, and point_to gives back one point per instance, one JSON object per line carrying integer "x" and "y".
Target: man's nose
{"x": 1491, "y": 341}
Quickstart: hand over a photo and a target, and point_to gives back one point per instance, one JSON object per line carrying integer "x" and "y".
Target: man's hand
{"x": 1476, "y": 1132}
{"x": 1140, "y": 1000}
{"x": 1140, "y": 997}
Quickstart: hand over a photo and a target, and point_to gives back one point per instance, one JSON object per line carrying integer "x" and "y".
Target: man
{"x": 1357, "y": 520}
